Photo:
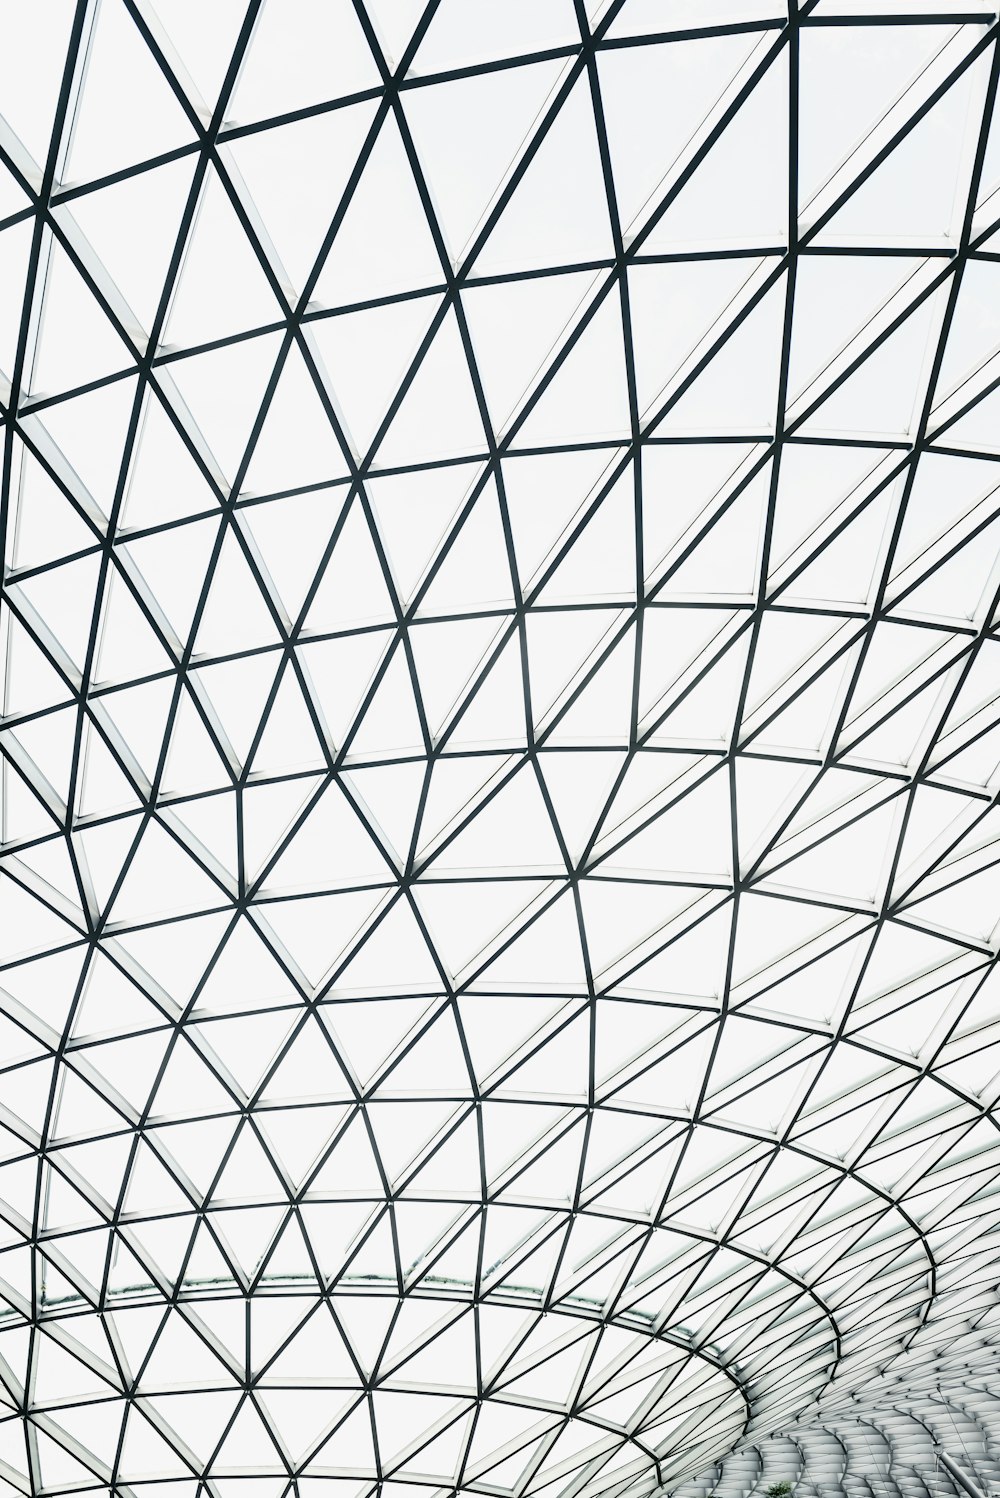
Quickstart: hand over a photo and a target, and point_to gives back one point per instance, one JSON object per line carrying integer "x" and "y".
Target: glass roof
{"x": 935, "y": 1445}
{"x": 500, "y": 739}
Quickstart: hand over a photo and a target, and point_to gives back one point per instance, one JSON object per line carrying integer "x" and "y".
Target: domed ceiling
{"x": 500, "y": 739}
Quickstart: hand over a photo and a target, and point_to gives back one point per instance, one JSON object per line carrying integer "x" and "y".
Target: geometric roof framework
{"x": 940, "y": 1444}
{"x": 500, "y": 738}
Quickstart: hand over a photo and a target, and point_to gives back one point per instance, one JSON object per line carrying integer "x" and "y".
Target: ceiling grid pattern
{"x": 500, "y": 742}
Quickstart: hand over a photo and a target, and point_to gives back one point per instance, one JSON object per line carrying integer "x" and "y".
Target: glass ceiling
{"x": 500, "y": 740}
{"x": 925, "y": 1448}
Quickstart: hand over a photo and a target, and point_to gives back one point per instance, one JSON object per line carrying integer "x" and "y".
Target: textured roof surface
{"x": 929, "y": 1446}
{"x": 499, "y": 859}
